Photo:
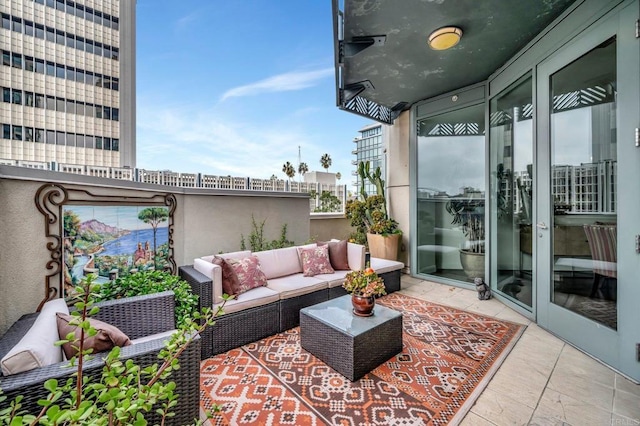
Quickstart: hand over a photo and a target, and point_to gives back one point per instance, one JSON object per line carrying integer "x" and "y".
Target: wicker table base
{"x": 349, "y": 344}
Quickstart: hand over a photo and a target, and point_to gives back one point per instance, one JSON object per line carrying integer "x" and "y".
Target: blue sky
{"x": 234, "y": 87}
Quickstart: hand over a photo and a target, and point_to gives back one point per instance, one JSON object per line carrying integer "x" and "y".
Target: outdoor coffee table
{"x": 350, "y": 344}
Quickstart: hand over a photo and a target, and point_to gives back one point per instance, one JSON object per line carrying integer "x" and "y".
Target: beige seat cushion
{"x": 382, "y": 266}
{"x": 36, "y": 348}
{"x": 335, "y": 280}
{"x": 256, "y": 297}
{"x": 296, "y": 285}
{"x": 279, "y": 262}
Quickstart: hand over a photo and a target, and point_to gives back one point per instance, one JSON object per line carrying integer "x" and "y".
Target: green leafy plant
{"x": 258, "y": 242}
{"x": 125, "y": 392}
{"x": 365, "y": 283}
{"x": 469, "y": 214}
{"x": 328, "y": 202}
{"x": 148, "y": 282}
{"x": 369, "y": 212}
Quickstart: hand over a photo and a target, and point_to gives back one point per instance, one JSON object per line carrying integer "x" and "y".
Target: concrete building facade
{"x": 68, "y": 82}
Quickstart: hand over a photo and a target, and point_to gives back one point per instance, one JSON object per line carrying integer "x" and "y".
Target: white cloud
{"x": 296, "y": 80}
{"x": 190, "y": 140}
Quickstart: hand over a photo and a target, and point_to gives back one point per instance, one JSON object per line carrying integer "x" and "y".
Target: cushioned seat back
{"x": 279, "y": 262}
{"x": 603, "y": 243}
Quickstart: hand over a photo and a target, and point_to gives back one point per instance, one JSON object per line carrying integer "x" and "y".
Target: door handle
{"x": 541, "y": 225}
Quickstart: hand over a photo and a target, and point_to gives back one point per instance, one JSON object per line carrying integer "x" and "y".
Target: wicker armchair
{"x": 137, "y": 317}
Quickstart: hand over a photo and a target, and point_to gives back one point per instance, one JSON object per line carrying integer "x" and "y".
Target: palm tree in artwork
{"x": 303, "y": 168}
{"x": 325, "y": 161}
{"x": 154, "y": 216}
{"x": 289, "y": 170}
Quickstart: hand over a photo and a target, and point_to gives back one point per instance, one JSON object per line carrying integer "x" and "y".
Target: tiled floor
{"x": 543, "y": 381}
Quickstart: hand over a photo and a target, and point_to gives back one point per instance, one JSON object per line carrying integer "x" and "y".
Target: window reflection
{"x": 451, "y": 193}
{"x": 584, "y": 185}
{"x": 511, "y": 165}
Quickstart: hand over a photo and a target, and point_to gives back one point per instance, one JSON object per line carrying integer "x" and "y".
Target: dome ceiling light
{"x": 444, "y": 38}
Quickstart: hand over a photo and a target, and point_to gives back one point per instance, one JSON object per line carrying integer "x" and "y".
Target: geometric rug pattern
{"x": 448, "y": 357}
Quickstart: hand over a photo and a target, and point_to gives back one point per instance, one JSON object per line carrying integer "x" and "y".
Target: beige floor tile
{"x": 574, "y": 362}
{"x": 409, "y": 280}
{"x": 626, "y": 385}
{"x": 486, "y": 307}
{"x": 582, "y": 388}
{"x": 519, "y": 383}
{"x": 626, "y": 404}
{"x": 511, "y": 315}
{"x": 472, "y": 419}
{"x": 617, "y": 420}
{"x": 563, "y": 408}
{"x": 501, "y": 409}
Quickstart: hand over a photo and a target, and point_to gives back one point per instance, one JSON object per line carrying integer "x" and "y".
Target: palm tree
{"x": 303, "y": 168}
{"x": 288, "y": 170}
{"x": 154, "y": 216}
{"x": 325, "y": 161}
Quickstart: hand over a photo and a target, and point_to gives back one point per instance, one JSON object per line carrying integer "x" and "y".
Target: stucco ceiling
{"x": 404, "y": 69}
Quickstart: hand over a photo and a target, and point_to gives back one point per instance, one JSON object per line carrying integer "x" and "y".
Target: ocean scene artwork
{"x": 113, "y": 241}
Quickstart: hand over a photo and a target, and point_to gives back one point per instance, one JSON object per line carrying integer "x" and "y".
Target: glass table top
{"x": 338, "y": 313}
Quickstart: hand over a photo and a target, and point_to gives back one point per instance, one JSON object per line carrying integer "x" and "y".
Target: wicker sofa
{"x": 149, "y": 319}
{"x": 265, "y": 311}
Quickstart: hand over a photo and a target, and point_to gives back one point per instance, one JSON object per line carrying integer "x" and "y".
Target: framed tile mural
{"x": 109, "y": 236}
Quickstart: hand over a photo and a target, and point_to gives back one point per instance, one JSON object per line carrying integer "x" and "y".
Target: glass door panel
{"x": 511, "y": 165}
{"x": 450, "y": 194}
{"x": 583, "y": 185}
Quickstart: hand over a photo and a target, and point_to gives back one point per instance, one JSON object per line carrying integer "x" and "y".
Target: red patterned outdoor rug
{"x": 449, "y": 355}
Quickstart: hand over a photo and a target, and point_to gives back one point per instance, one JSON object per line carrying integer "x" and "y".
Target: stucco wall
{"x": 398, "y": 191}
{"x": 326, "y": 227}
{"x": 206, "y": 221}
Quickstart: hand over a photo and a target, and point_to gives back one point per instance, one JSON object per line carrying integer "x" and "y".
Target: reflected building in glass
{"x": 68, "y": 82}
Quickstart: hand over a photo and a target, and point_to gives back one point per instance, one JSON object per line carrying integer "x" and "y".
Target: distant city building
{"x": 369, "y": 147}
{"x": 68, "y": 82}
{"x": 320, "y": 177}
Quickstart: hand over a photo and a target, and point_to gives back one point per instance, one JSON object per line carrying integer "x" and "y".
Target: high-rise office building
{"x": 68, "y": 81}
{"x": 370, "y": 146}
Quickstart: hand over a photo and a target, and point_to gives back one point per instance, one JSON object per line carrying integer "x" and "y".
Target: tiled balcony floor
{"x": 543, "y": 381}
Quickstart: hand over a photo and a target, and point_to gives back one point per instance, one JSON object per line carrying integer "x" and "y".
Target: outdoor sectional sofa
{"x": 147, "y": 320}
{"x": 274, "y": 308}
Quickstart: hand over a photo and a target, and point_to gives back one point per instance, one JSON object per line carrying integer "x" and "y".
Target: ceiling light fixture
{"x": 445, "y": 38}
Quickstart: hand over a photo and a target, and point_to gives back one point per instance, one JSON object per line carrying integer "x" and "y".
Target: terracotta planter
{"x": 363, "y": 305}
{"x": 384, "y": 247}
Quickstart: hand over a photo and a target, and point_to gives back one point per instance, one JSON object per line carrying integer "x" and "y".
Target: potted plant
{"x": 368, "y": 215}
{"x": 364, "y": 286}
{"x": 469, "y": 214}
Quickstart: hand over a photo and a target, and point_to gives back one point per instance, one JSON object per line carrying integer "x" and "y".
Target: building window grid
{"x": 59, "y": 70}
{"x": 83, "y": 12}
{"x": 70, "y": 106}
{"x": 59, "y": 138}
{"x": 59, "y": 37}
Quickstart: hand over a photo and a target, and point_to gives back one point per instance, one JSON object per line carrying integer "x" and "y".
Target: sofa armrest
{"x": 140, "y": 316}
{"x": 201, "y": 285}
{"x": 355, "y": 256}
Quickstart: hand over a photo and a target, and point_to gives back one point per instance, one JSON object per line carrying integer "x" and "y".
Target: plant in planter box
{"x": 368, "y": 215}
{"x": 148, "y": 282}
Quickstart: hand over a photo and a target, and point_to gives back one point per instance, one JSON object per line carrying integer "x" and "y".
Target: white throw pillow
{"x": 37, "y": 347}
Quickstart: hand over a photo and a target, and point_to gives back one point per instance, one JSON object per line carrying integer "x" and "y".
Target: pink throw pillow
{"x": 315, "y": 261}
{"x": 248, "y": 272}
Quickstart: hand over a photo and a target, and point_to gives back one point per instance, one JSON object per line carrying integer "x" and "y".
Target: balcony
{"x": 213, "y": 219}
